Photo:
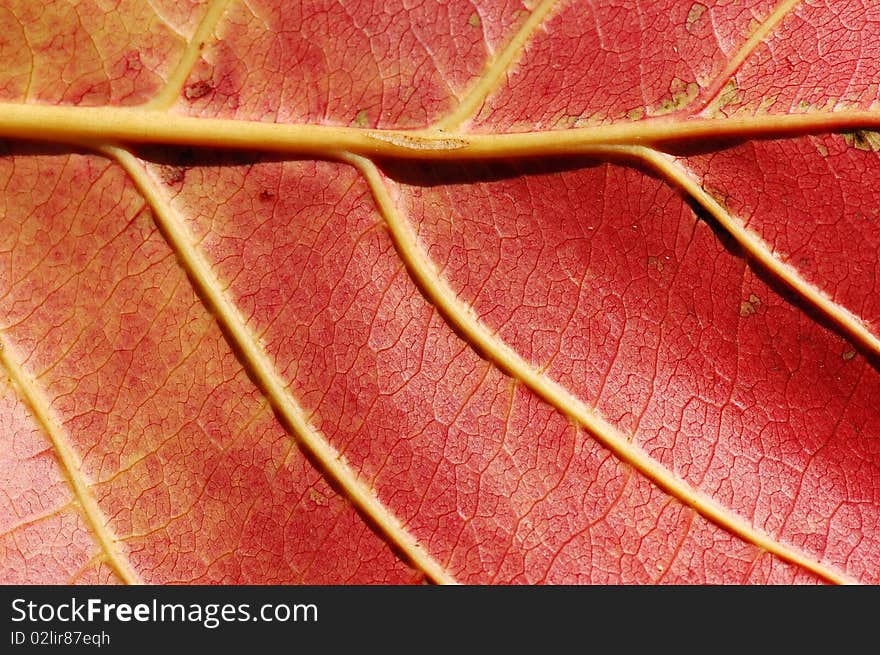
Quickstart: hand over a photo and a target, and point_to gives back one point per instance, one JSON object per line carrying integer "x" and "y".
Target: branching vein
{"x": 267, "y": 377}
{"x": 171, "y": 91}
{"x": 70, "y": 124}
{"x": 109, "y": 544}
{"x": 782, "y": 11}
{"x": 465, "y": 320}
{"x": 675, "y": 173}
{"x": 644, "y": 140}
{"x": 497, "y": 67}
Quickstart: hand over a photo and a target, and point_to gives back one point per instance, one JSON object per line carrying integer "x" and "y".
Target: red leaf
{"x": 572, "y": 292}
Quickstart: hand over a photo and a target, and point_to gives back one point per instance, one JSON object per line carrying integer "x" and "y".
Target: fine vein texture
{"x": 174, "y": 84}
{"x": 267, "y": 377}
{"x": 461, "y": 316}
{"x": 862, "y": 332}
{"x": 499, "y": 66}
{"x": 199, "y": 481}
{"x": 743, "y": 54}
{"x": 475, "y": 291}
{"x": 71, "y": 466}
{"x": 838, "y": 37}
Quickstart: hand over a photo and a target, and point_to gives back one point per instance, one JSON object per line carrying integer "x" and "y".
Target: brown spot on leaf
{"x": 728, "y": 96}
{"x": 750, "y": 306}
{"x": 266, "y": 195}
{"x": 197, "y": 90}
{"x": 172, "y": 175}
{"x": 133, "y": 61}
{"x": 361, "y": 120}
{"x": 681, "y": 94}
{"x": 317, "y": 497}
{"x": 747, "y": 309}
{"x": 865, "y": 140}
{"x": 636, "y": 114}
{"x": 848, "y": 355}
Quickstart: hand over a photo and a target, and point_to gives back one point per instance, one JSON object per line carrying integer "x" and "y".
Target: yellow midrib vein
{"x": 506, "y": 358}
{"x": 79, "y": 125}
{"x": 108, "y": 124}
{"x": 267, "y": 377}
{"x": 100, "y": 125}
{"x": 70, "y": 464}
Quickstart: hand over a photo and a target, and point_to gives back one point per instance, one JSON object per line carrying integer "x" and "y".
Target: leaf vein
{"x": 70, "y": 464}
{"x": 267, "y": 377}
{"x": 506, "y": 358}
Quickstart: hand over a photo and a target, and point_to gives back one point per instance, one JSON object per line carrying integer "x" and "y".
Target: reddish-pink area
{"x": 823, "y": 56}
{"x": 602, "y": 61}
{"x": 600, "y": 275}
{"x": 42, "y": 537}
{"x": 87, "y": 54}
{"x": 180, "y": 450}
{"x": 498, "y": 485}
{"x": 362, "y": 63}
{"x": 604, "y": 277}
{"x": 816, "y": 204}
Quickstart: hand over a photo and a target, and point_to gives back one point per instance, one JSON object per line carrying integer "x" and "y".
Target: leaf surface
{"x": 479, "y": 292}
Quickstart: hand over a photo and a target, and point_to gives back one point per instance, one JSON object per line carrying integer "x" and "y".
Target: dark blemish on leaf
{"x": 636, "y": 114}
{"x": 133, "y": 61}
{"x": 865, "y": 140}
{"x": 718, "y": 196}
{"x": 474, "y": 20}
{"x": 197, "y": 90}
{"x": 172, "y": 175}
{"x": 414, "y": 142}
{"x": 750, "y": 306}
{"x": 848, "y": 355}
{"x": 681, "y": 95}
{"x": 317, "y": 497}
{"x": 266, "y": 195}
{"x": 729, "y": 95}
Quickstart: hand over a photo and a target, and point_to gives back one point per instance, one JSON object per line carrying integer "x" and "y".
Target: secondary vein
{"x": 70, "y": 464}
{"x": 171, "y": 91}
{"x": 269, "y": 379}
{"x": 780, "y": 13}
{"x": 490, "y": 78}
{"x": 457, "y": 313}
{"x": 676, "y": 174}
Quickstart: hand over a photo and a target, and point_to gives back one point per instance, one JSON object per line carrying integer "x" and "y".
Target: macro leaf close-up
{"x": 475, "y": 291}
